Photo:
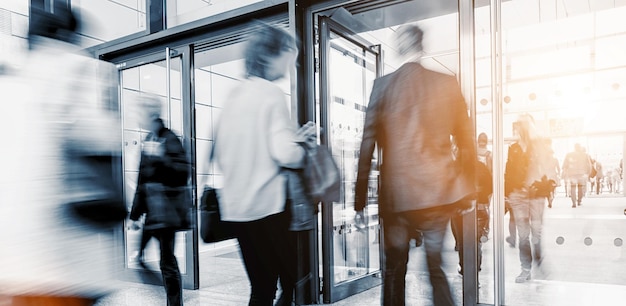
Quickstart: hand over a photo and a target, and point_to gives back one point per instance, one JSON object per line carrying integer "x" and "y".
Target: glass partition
{"x": 560, "y": 64}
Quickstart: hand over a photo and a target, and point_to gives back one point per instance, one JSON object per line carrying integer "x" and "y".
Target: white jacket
{"x": 255, "y": 138}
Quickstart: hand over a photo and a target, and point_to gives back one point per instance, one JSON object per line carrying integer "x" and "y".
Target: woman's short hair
{"x": 266, "y": 43}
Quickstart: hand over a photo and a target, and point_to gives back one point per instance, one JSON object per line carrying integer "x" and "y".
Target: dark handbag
{"x": 321, "y": 175}
{"x": 543, "y": 188}
{"x": 300, "y": 207}
{"x": 212, "y": 229}
{"x": 95, "y": 190}
{"x": 167, "y": 207}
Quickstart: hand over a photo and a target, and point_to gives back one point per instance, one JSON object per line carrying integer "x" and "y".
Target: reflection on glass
{"x": 150, "y": 78}
{"x": 355, "y": 251}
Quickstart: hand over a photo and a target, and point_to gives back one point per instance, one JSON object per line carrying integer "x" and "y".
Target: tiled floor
{"x": 587, "y": 268}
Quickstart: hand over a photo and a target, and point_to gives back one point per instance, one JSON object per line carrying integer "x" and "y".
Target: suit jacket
{"x": 416, "y": 116}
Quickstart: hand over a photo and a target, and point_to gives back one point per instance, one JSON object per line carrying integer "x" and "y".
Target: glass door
{"x": 161, "y": 76}
{"x": 348, "y": 67}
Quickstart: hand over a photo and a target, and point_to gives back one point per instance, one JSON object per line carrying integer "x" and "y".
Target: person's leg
{"x": 396, "y": 238}
{"x": 573, "y": 192}
{"x": 433, "y": 223}
{"x": 581, "y": 192}
{"x": 512, "y": 229}
{"x": 283, "y": 244}
{"x": 456, "y": 224}
{"x": 145, "y": 238}
{"x": 520, "y": 206}
{"x": 169, "y": 268}
{"x": 482, "y": 216}
{"x": 536, "y": 227}
{"x": 257, "y": 257}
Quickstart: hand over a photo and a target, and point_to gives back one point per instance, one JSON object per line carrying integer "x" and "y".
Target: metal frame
{"x": 498, "y": 150}
{"x": 467, "y": 82}
{"x": 331, "y": 291}
{"x": 188, "y": 33}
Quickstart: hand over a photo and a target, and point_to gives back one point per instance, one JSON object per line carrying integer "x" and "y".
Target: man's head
{"x": 482, "y": 140}
{"x": 409, "y": 39}
{"x": 150, "y": 107}
{"x": 578, "y": 148}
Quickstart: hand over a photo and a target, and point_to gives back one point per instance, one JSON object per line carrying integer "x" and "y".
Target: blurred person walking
{"x": 528, "y": 181}
{"x": 255, "y": 139}
{"x": 163, "y": 161}
{"x": 577, "y": 169}
{"x": 554, "y": 166}
{"x": 597, "y": 180}
{"x": 58, "y": 112}
{"x": 422, "y": 183}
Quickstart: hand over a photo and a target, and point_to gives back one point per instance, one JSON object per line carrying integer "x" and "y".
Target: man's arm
{"x": 368, "y": 143}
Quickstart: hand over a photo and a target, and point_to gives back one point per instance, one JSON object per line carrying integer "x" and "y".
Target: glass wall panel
{"x": 563, "y": 64}
{"x": 184, "y": 11}
{"x": 106, "y": 20}
{"x": 355, "y": 251}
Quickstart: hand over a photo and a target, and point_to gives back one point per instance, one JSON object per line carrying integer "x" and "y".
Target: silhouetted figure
{"x": 255, "y": 139}
{"x": 527, "y": 184}
{"x": 577, "y": 169}
{"x": 412, "y": 115}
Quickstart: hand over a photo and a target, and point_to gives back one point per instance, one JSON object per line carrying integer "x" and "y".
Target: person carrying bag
{"x": 162, "y": 195}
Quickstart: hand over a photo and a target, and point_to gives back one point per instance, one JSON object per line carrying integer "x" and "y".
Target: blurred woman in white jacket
{"x": 255, "y": 139}
{"x": 55, "y": 101}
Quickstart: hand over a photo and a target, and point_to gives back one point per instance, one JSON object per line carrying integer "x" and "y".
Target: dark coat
{"x": 412, "y": 115}
{"x": 519, "y": 163}
{"x": 171, "y": 170}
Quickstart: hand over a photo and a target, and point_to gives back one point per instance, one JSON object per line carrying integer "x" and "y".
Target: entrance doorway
{"x": 160, "y": 75}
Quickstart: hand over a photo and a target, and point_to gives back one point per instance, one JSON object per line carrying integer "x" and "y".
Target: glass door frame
{"x": 333, "y": 292}
{"x": 190, "y": 279}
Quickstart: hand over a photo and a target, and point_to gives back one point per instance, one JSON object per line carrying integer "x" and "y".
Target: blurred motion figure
{"x": 255, "y": 139}
{"x": 577, "y": 169}
{"x": 163, "y": 161}
{"x": 56, "y": 106}
{"x": 528, "y": 181}
{"x": 422, "y": 183}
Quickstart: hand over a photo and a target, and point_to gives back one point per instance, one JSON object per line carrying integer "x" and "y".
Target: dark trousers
{"x": 169, "y": 267}
{"x": 398, "y": 228}
{"x": 482, "y": 221}
{"x": 268, "y": 251}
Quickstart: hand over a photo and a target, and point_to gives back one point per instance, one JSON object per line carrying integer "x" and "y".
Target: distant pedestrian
{"x": 577, "y": 169}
